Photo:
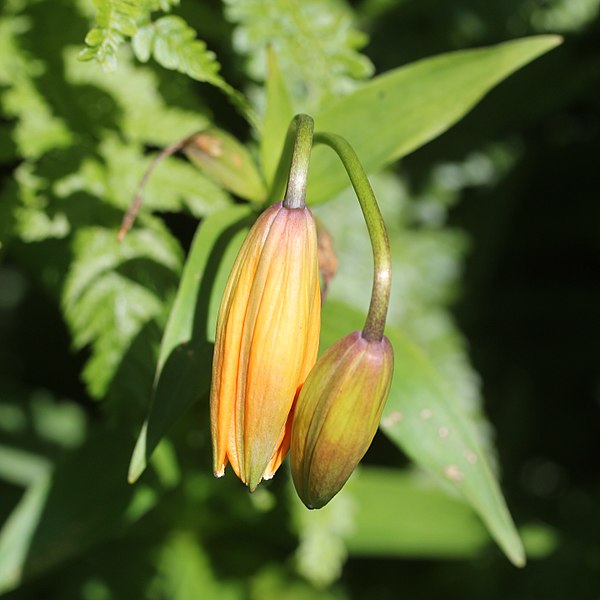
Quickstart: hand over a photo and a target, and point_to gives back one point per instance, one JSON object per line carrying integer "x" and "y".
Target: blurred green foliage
{"x": 84, "y": 320}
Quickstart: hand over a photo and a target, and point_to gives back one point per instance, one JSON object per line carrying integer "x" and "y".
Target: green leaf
{"x": 427, "y": 270}
{"x": 223, "y": 158}
{"x": 185, "y": 572}
{"x": 113, "y": 291}
{"x": 423, "y": 419}
{"x": 184, "y": 364}
{"x": 18, "y": 531}
{"x": 83, "y": 501}
{"x": 38, "y": 129}
{"x": 175, "y": 47}
{"x": 398, "y": 513}
{"x": 399, "y": 111}
{"x": 278, "y": 114}
{"x": 174, "y": 184}
{"x": 439, "y": 437}
{"x": 315, "y": 41}
{"x": 153, "y": 121}
{"x": 117, "y": 20}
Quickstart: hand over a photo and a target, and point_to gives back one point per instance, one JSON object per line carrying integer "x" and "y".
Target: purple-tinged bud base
{"x": 337, "y": 415}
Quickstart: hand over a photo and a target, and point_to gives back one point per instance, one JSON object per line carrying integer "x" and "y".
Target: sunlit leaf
{"x": 152, "y": 121}
{"x": 278, "y": 114}
{"x": 427, "y": 265}
{"x": 399, "y": 111}
{"x": 423, "y": 419}
{"x": 402, "y": 513}
{"x": 227, "y": 161}
{"x": 117, "y": 20}
{"x": 315, "y": 41}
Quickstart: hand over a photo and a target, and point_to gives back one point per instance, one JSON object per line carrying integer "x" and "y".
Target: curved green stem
{"x": 294, "y": 160}
{"x": 382, "y": 275}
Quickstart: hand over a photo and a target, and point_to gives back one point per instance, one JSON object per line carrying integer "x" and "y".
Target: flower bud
{"x": 266, "y": 343}
{"x": 337, "y": 415}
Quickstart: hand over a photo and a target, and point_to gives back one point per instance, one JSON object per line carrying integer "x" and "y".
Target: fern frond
{"x": 315, "y": 42}
{"x": 174, "y": 45}
{"x": 117, "y": 20}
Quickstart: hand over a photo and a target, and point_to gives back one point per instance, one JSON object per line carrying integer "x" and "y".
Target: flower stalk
{"x": 373, "y": 329}
{"x": 294, "y": 161}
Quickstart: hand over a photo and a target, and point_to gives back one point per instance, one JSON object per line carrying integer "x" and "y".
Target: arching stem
{"x": 294, "y": 160}
{"x": 382, "y": 276}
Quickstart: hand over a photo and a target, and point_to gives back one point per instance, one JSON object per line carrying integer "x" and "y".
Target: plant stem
{"x": 138, "y": 199}
{"x": 294, "y": 160}
{"x": 373, "y": 329}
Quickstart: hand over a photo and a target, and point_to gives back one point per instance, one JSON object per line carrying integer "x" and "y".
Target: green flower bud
{"x": 337, "y": 415}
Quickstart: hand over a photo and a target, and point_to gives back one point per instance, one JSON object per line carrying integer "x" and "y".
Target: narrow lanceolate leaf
{"x": 59, "y": 516}
{"x": 430, "y": 429}
{"x": 424, "y": 420}
{"x": 278, "y": 114}
{"x": 184, "y": 363}
{"x": 399, "y": 111}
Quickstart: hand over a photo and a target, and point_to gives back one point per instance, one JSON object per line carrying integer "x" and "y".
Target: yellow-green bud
{"x": 337, "y": 415}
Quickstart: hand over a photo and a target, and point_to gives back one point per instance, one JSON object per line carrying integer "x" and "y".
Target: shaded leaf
{"x": 60, "y": 516}
{"x": 185, "y": 572}
{"x": 18, "y": 531}
{"x": 184, "y": 363}
{"x": 113, "y": 290}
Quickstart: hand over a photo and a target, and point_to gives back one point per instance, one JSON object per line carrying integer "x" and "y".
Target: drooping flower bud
{"x": 337, "y": 415}
{"x": 266, "y": 343}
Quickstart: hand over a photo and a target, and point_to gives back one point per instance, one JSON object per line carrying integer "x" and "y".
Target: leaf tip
{"x": 137, "y": 465}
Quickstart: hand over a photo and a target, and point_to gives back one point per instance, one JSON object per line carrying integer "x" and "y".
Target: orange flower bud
{"x": 337, "y": 415}
{"x": 266, "y": 343}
